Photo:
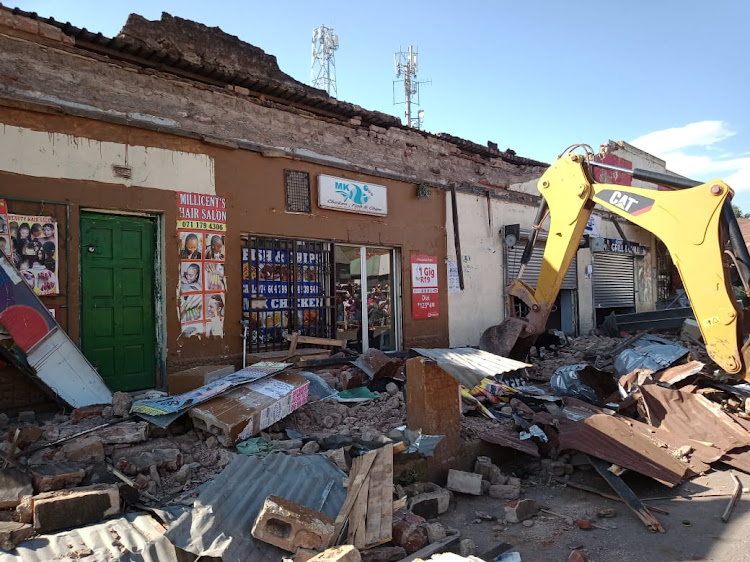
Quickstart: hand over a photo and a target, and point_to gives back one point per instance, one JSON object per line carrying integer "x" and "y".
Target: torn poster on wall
{"x": 202, "y": 225}
{"x": 32, "y": 241}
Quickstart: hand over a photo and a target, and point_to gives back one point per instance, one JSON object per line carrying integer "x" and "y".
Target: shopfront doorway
{"x": 367, "y": 297}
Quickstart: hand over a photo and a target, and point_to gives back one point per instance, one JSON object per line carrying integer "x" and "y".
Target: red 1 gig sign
{"x": 424, "y": 286}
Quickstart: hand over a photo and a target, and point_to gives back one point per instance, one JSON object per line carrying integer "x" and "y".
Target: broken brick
{"x": 11, "y": 533}
{"x": 505, "y": 492}
{"x": 409, "y": 531}
{"x": 290, "y": 526}
{"x": 14, "y": 484}
{"x": 84, "y": 449}
{"x": 65, "y": 509}
{"x": 56, "y": 476}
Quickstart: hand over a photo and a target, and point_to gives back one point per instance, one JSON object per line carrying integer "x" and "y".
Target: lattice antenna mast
{"x": 323, "y": 69}
{"x": 406, "y": 67}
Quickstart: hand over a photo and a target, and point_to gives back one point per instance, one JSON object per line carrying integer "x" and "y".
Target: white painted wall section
{"x": 55, "y": 155}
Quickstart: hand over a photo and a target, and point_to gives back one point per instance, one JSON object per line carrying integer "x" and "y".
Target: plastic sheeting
{"x": 648, "y": 352}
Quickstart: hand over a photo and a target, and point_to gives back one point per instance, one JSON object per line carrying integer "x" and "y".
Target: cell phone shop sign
{"x": 352, "y": 196}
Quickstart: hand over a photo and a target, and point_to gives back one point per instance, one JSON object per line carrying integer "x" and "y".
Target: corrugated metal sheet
{"x": 614, "y": 281}
{"x": 137, "y": 537}
{"x": 531, "y": 273}
{"x": 224, "y": 512}
{"x": 469, "y": 366}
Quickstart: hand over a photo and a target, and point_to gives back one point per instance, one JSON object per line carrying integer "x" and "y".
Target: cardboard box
{"x": 185, "y": 381}
{"x": 244, "y": 411}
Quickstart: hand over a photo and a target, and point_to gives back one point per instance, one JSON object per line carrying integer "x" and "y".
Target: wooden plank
{"x": 318, "y": 341}
{"x": 358, "y": 517}
{"x": 360, "y": 469}
{"x": 627, "y": 495}
{"x": 375, "y": 504}
{"x": 386, "y": 495}
{"x": 293, "y": 346}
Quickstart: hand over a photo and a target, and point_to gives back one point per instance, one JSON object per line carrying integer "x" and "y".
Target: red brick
{"x": 409, "y": 531}
{"x": 74, "y": 508}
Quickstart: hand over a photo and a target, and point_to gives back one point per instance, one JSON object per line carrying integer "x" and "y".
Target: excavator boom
{"x": 691, "y": 222}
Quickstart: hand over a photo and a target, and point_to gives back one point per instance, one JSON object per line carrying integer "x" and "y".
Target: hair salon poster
{"x": 202, "y": 226}
{"x": 31, "y": 241}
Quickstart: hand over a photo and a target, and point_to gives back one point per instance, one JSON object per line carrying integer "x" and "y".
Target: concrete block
{"x": 430, "y": 504}
{"x": 24, "y": 510}
{"x": 505, "y": 492}
{"x": 65, "y": 509}
{"x": 290, "y": 526}
{"x": 465, "y": 482}
{"x": 344, "y": 553}
{"x": 14, "y": 485}
{"x": 56, "y": 476}
{"x": 521, "y": 510}
{"x": 409, "y": 531}
{"x": 11, "y": 533}
{"x": 84, "y": 449}
{"x": 121, "y": 404}
{"x": 690, "y": 331}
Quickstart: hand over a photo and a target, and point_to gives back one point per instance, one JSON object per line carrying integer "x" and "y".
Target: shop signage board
{"x": 424, "y": 286}
{"x": 352, "y": 196}
{"x": 33, "y": 244}
{"x": 201, "y": 227}
{"x": 621, "y": 247}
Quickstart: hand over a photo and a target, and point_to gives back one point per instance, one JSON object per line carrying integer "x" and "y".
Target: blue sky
{"x": 670, "y": 77}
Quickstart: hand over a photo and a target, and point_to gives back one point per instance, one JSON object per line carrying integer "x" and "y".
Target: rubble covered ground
{"x": 535, "y": 497}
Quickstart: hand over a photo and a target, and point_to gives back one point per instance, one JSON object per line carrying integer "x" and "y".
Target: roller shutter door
{"x": 614, "y": 284}
{"x": 531, "y": 273}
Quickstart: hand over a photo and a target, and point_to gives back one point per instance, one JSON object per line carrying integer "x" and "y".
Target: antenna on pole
{"x": 406, "y": 66}
{"x": 323, "y": 68}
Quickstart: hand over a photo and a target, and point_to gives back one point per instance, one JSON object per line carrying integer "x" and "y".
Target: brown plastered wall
{"x": 254, "y": 188}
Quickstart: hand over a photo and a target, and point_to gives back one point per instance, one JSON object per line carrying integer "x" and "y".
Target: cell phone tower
{"x": 406, "y": 66}
{"x": 323, "y": 69}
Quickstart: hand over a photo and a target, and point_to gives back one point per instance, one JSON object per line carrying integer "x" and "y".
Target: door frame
{"x": 160, "y": 279}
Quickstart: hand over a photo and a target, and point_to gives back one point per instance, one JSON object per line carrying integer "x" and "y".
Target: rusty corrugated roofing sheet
{"x": 137, "y": 537}
{"x": 224, "y": 512}
{"x": 469, "y": 366}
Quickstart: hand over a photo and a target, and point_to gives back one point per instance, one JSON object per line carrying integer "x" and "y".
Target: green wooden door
{"x": 117, "y": 299}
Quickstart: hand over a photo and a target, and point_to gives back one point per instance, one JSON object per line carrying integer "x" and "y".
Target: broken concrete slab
{"x": 56, "y": 476}
{"x": 383, "y": 554}
{"x": 521, "y": 510}
{"x": 505, "y": 491}
{"x": 125, "y": 433}
{"x": 14, "y": 484}
{"x": 66, "y": 509}
{"x": 290, "y": 526}
{"x": 464, "y": 482}
{"x": 12, "y": 533}
{"x": 142, "y": 461}
{"x": 121, "y": 403}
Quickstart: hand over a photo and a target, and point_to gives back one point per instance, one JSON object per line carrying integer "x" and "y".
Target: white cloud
{"x": 695, "y": 151}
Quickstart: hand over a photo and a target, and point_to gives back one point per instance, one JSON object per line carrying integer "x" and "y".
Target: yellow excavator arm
{"x": 691, "y": 222}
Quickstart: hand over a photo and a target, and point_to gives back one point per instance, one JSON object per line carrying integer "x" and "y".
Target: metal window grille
{"x": 297, "y": 191}
{"x": 287, "y": 286}
{"x": 664, "y": 266}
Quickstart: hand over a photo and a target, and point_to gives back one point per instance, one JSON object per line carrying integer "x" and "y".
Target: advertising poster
{"x": 424, "y": 286}
{"x": 266, "y": 280}
{"x": 202, "y": 226}
{"x": 33, "y": 243}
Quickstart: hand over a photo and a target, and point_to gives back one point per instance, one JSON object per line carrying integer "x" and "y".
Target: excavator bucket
{"x": 508, "y": 339}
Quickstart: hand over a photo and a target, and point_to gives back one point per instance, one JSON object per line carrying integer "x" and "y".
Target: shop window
{"x": 287, "y": 286}
{"x": 297, "y": 191}
{"x": 366, "y": 303}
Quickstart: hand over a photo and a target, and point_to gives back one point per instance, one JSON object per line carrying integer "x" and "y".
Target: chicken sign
{"x": 424, "y": 287}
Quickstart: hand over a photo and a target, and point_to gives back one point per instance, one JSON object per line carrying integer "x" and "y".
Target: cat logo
{"x": 628, "y": 202}
{"x": 624, "y": 202}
